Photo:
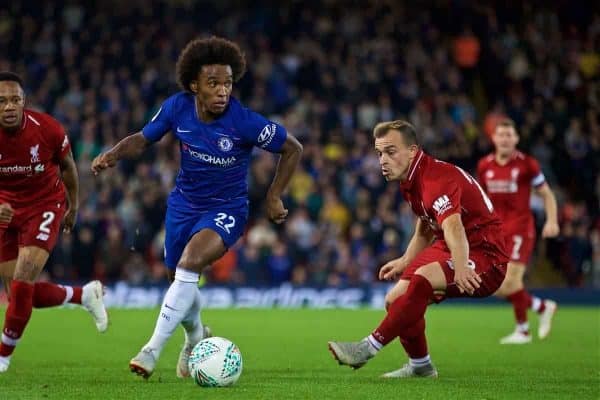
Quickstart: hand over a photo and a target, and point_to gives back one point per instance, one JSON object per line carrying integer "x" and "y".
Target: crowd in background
{"x": 328, "y": 71}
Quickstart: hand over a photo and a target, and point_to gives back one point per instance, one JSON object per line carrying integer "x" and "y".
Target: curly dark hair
{"x": 209, "y": 51}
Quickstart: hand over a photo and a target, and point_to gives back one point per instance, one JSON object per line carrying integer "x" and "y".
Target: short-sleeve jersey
{"x": 436, "y": 189}
{"x": 215, "y": 156}
{"x": 29, "y": 161}
{"x": 509, "y": 188}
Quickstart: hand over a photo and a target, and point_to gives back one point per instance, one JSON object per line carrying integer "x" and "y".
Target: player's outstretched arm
{"x": 291, "y": 151}
{"x": 421, "y": 239}
{"x": 456, "y": 238}
{"x": 70, "y": 178}
{"x": 130, "y": 147}
{"x": 551, "y": 228}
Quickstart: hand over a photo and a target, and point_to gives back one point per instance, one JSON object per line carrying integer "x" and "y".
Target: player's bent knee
{"x": 27, "y": 270}
{"x": 434, "y": 274}
{"x": 196, "y": 264}
{"x": 396, "y": 291}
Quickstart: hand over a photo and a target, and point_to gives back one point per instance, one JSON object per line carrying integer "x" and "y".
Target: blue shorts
{"x": 182, "y": 223}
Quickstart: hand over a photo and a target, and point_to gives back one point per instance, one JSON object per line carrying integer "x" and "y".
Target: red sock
{"x": 413, "y": 340}
{"x": 521, "y": 301}
{"x": 542, "y": 307}
{"x": 47, "y": 294}
{"x": 17, "y": 315}
{"x": 405, "y": 311}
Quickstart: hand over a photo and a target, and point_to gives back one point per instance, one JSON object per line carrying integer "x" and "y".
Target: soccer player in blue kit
{"x": 208, "y": 208}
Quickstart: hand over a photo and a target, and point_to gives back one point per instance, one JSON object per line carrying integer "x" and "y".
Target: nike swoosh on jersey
{"x": 182, "y": 130}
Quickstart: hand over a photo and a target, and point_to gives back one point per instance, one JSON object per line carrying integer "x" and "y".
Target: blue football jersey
{"x": 215, "y": 156}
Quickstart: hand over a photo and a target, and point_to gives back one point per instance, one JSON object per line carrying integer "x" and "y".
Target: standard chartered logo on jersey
{"x": 16, "y": 170}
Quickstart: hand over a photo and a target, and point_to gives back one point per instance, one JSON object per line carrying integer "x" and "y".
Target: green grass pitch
{"x": 285, "y": 357}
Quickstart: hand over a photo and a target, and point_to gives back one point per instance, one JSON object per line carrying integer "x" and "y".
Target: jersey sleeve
{"x": 160, "y": 123}
{"x": 443, "y": 198}
{"x": 58, "y": 138}
{"x": 261, "y": 132}
{"x": 535, "y": 172}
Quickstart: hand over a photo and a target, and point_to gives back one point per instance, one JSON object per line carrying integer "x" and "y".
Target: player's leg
{"x": 413, "y": 340}
{"x": 405, "y": 319}
{"x": 205, "y": 247}
{"x": 229, "y": 223}
{"x": 193, "y": 329}
{"x": 30, "y": 262}
{"x": 512, "y": 290}
{"x": 396, "y": 291}
{"x": 7, "y": 270}
{"x": 9, "y": 251}
{"x": 41, "y": 229}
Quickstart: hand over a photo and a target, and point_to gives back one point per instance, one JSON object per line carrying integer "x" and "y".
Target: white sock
{"x": 523, "y": 328}
{"x": 176, "y": 305}
{"x": 192, "y": 323}
{"x": 536, "y": 303}
{"x": 68, "y": 293}
{"x": 419, "y": 362}
{"x": 375, "y": 346}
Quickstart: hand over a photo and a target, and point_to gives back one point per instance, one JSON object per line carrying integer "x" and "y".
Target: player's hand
{"x": 550, "y": 230}
{"x": 103, "y": 161}
{"x": 69, "y": 220}
{"x": 6, "y": 213}
{"x": 392, "y": 269}
{"x": 466, "y": 279}
{"x": 275, "y": 210}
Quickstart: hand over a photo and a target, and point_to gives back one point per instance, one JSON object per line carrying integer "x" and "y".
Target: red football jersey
{"x": 509, "y": 188}
{"x": 436, "y": 189}
{"x": 29, "y": 161}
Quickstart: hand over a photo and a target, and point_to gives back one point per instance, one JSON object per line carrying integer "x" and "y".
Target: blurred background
{"x": 327, "y": 70}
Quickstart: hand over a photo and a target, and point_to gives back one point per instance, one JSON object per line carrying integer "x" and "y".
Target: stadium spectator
{"x": 537, "y": 65}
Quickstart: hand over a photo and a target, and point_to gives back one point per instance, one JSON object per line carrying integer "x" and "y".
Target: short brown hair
{"x": 209, "y": 51}
{"x": 406, "y": 129}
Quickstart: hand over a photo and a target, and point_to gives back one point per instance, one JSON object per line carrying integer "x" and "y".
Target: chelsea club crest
{"x": 225, "y": 144}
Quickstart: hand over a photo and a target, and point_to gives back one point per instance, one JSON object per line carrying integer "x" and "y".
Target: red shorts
{"x": 520, "y": 246}
{"x": 483, "y": 261}
{"x": 37, "y": 226}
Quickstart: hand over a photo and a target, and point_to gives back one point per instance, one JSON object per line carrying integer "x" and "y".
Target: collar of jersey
{"x": 416, "y": 164}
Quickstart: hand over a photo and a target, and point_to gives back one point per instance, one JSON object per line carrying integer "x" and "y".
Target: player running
{"x": 208, "y": 208}
{"x": 457, "y": 249}
{"x": 36, "y": 165}
{"x": 507, "y": 175}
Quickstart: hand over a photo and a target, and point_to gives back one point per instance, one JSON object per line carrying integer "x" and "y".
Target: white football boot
{"x": 92, "y": 299}
{"x": 409, "y": 371}
{"x": 4, "y": 363}
{"x": 517, "y": 337}
{"x": 352, "y": 354}
{"x": 183, "y": 370}
{"x": 546, "y": 319}
{"x": 143, "y": 364}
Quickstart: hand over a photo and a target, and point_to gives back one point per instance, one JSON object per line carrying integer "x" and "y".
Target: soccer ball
{"x": 215, "y": 362}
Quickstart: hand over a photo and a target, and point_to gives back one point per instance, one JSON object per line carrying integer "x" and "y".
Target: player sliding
{"x": 36, "y": 165}
{"x": 208, "y": 208}
{"x": 508, "y": 176}
{"x": 457, "y": 249}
